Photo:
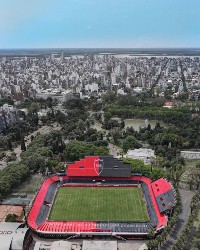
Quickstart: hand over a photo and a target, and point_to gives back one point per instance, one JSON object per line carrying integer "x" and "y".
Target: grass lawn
{"x": 99, "y": 204}
{"x": 189, "y": 164}
{"x": 30, "y": 185}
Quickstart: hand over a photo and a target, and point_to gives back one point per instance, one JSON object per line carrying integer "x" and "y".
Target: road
{"x": 113, "y": 150}
{"x": 186, "y": 196}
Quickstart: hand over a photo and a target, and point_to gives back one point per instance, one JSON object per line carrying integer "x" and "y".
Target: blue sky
{"x": 99, "y": 23}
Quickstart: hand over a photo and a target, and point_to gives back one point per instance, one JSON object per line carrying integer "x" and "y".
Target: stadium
{"x": 99, "y": 196}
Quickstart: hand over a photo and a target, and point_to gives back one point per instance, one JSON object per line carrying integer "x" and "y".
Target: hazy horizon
{"x": 114, "y": 51}
{"x": 123, "y": 48}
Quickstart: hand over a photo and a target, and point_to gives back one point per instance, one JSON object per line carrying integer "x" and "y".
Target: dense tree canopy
{"x": 76, "y": 150}
{"x": 11, "y": 177}
{"x": 167, "y": 115}
{"x": 130, "y": 142}
{"x": 41, "y": 148}
{"x": 6, "y": 100}
{"x": 138, "y": 166}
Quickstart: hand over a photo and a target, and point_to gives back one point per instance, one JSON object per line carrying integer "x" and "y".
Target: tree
{"x": 11, "y": 157}
{"x": 34, "y": 108}
{"x": 74, "y": 103}
{"x": 197, "y": 243}
{"x": 193, "y": 177}
{"x": 138, "y": 166}
{"x": 116, "y": 134}
{"x": 44, "y": 119}
{"x": 175, "y": 173}
{"x": 76, "y": 150}
{"x": 9, "y": 144}
{"x": 11, "y": 176}
{"x": 98, "y": 116}
{"x": 151, "y": 233}
{"x": 6, "y": 100}
{"x": 60, "y": 117}
{"x": 32, "y": 118}
{"x": 122, "y": 125}
{"x": 11, "y": 218}
{"x": 130, "y": 142}
{"x": 109, "y": 97}
{"x": 23, "y": 146}
{"x": 49, "y": 102}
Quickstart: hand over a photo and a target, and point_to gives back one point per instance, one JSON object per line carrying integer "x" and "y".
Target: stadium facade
{"x": 98, "y": 171}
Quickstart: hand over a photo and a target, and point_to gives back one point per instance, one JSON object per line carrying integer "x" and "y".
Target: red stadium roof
{"x": 106, "y": 166}
{"x": 161, "y": 186}
{"x": 84, "y": 167}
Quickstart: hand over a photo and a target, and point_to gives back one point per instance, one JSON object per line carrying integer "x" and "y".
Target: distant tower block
{"x": 53, "y": 57}
{"x": 62, "y": 56}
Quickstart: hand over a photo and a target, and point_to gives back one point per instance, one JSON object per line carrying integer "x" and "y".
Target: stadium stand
{"x": 113, "y": 167}
{"x": 166, "y": 201}
{"x": 150, "y": 207}
{"x": 99, "y": 166}
{"x": 67, "y": 226}
{"x": 45, "y": 208}
{"x": 164, "y": 193}
{"x": 162, "y": 219}
{"x": 84, "y": 167}
{"x": 103, "y": 182}
{"x": 161, "y": 186}
{"x": 38, "y": 202}
{"x": 92, "y": 226}
{"x": 131, "y": 227}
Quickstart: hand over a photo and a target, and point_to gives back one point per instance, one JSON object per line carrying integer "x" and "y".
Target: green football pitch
{"x": 98, "y": 204}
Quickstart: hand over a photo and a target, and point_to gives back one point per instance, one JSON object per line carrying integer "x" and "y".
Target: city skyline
{"x": 99, "y": 24}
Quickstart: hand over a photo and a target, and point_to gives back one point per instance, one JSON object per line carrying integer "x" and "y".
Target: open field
{"x": 189, "y": 164}
{"x": 99, "y": 204}
{"x": 30, "y": 185}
